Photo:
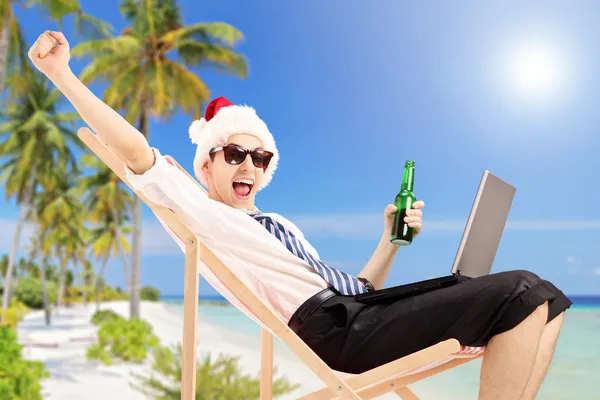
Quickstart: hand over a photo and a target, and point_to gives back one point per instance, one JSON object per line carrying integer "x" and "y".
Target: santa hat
{"x": 222, "y": 120}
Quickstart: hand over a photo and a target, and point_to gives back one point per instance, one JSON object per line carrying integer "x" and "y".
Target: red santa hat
{"x": 222, "y": 120}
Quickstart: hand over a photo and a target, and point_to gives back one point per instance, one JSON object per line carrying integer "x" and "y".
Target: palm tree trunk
{"x": 123, "y": 255}
{"x": 17, "y": 238}
{"x": 15, "y": 286}
{"x": 87, "y": 282}
{"x": 122, "y": 252}
{"x": 44, "y": 285}
{"x": 11, "y": 258}
{"x": 134, "y": 290}
{"x": 61, "y": 283}
{"x": 99, "y": 280}
{"x": 4, "y": 47}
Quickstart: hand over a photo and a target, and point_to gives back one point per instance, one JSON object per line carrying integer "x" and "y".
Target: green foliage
{"x": 120, "y": 339}
{"x": 29, "y": 292}
{"x": 19, "y": 378}
{"x": 218, "y": 380}
{"x": 13, "y": 315}
{"x": 150, "y": 293}
{"x": 102, "y": 316}
{"x": 111, "y": 294}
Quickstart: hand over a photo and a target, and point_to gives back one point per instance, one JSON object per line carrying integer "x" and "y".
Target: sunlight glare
{"x": 535, "y": 71}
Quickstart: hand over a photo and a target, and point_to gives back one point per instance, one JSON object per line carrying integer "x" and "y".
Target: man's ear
{"x": 206, "y": 166}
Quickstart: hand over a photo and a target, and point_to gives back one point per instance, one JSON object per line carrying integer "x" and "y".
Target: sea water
{"x": 574, "y": 373}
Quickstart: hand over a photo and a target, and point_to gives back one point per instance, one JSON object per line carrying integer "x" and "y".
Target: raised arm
{"x": 50, "y": 55}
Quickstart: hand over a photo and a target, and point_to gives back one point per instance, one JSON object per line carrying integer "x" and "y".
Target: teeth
{"x": 246, "y": 181}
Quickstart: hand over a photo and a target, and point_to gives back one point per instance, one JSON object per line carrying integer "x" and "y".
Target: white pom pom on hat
{"x": 222, "y": 120}
{"x": 196, "y": 129}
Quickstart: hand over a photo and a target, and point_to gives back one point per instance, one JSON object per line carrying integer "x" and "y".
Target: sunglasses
{"x": 235, "y": 154}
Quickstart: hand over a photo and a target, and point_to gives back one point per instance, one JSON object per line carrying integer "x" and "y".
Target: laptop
{"x": 478, "y": 245}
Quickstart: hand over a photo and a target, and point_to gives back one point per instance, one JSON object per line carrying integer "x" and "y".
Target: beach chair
{"x": 199, "y": 260}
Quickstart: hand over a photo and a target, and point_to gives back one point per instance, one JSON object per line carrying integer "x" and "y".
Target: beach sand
{"x": 72, "y": 376}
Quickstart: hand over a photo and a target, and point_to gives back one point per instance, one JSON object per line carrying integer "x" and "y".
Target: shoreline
{"x": 72, "y": 375}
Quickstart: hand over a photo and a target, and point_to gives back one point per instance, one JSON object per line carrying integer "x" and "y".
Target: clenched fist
{"x": 50, "y": 53}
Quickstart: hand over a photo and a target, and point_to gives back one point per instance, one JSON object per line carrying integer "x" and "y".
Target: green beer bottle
{"x": 402, "y": 234}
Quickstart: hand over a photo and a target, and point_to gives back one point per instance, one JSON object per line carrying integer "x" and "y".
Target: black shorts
{"x": 355, "y": 337}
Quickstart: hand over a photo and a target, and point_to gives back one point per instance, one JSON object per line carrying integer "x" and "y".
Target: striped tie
{"x": 344, "y": 283}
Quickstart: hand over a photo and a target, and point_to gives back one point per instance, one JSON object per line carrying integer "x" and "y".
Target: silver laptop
{"x": 478, "y": 245}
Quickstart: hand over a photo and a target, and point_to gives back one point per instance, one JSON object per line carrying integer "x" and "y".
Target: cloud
{"x": 155, "y": 240}
{"x": 572, "y": 260}
{"x": 359, "y": 225}
{"x": 597, "y": 271}
{"x": 567, "y": 225}
{"x": 366, "y": 225}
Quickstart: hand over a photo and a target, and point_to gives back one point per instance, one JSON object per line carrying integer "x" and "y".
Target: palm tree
{"x": 13, "y": 54}
{"x": 38, "y": 244}
{"x": 87, "y": 277}
{"x": 58, "y": 212}
{"x": 62, "y": 211}
{"x": 147, "y": 70}
{"x": 107, "y": 203}
{"x": 34, "y": 140}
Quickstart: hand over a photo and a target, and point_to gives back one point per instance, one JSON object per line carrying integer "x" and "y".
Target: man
{"x": 515, "y": 314}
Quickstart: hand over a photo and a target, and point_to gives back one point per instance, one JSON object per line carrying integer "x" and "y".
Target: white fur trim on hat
{"x": 196, "y": 129}
{"x": 228, "y": 121}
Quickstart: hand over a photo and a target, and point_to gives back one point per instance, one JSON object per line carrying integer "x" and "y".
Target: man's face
{"x": 235, "y": 185}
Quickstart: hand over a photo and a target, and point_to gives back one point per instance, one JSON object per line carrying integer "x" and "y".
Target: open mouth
{"x": 243, "y": 187}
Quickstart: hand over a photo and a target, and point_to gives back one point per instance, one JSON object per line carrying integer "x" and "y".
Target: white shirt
{"x": 280, "y": 279}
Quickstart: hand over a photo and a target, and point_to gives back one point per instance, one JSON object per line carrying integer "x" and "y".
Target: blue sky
{"x": 350, "y": 92}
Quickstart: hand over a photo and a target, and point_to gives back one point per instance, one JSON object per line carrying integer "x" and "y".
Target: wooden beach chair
{"x": 199, "y": 260}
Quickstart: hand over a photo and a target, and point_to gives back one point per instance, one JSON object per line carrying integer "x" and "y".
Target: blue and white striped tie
{"x": 344, "y": 283}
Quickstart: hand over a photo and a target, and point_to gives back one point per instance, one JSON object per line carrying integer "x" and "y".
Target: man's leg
{"x": 544, "y": 356}
{"x": 509, "y": 358}
{"x": 354, "y": 337}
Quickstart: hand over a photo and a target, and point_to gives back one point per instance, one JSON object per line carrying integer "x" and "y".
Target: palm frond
{"x": 84, "y": 23}
{"x": 104, "y": 68}
{"x": 219, "y": 32}
{"x": 187, "y": 89}
{"x": 9, "y": 127}
{"x": 90, "y": 26}
{"x": 125, "y": 46}
{"x": 223, "y": 58}
{"x": 119, "y": 91}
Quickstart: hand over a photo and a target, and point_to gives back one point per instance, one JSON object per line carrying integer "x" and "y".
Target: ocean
{"x": 573, "y": 375}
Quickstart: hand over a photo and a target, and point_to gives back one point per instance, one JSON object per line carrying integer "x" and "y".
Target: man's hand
{"x": 414, "y": 217}
{"x": 50, "y": 54}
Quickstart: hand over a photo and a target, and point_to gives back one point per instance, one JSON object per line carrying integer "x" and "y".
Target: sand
{"x": 73, "y": 376}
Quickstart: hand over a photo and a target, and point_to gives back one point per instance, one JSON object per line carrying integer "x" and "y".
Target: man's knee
{"x": 510, "y": 283}
{"x": 522, "y": 275}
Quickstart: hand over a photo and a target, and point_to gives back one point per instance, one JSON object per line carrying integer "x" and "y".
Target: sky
{"x": 352, "y": 90}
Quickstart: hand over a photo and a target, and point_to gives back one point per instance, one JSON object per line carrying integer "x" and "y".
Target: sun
{"x": 535, "y": 71}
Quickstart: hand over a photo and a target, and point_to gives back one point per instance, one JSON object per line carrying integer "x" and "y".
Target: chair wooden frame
{"x": 394, "y": 376}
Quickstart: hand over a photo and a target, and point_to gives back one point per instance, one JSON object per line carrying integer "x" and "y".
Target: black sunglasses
{"x": 235, "y": 154}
